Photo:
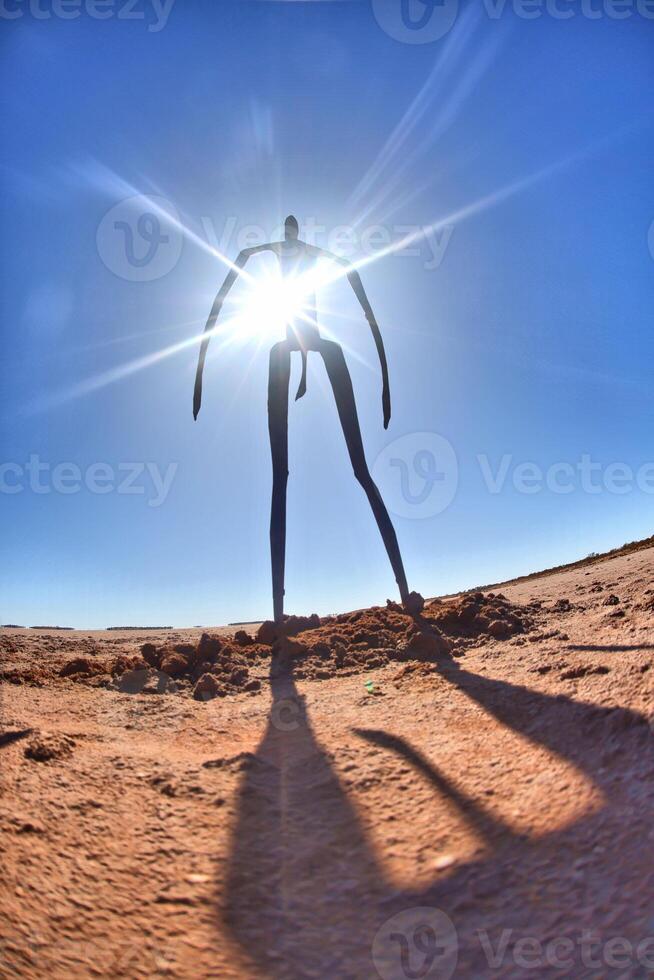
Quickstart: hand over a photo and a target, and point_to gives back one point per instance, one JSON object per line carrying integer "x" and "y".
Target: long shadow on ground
{"x": 306, "y": 891}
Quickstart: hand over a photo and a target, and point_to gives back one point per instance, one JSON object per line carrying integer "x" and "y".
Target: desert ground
{"x": 467, "y": 793}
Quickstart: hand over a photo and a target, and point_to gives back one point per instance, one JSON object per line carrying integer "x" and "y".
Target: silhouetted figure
{"x": 298, "y": 259}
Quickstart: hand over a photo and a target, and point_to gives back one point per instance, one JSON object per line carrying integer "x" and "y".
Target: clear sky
{"x": 519, "y": 330}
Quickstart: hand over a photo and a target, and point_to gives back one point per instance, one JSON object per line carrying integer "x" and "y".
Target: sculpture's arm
{"x": 355, "y": 282}
{"x": 230, "y": 279}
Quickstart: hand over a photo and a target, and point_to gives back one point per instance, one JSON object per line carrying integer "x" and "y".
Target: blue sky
{"x": 519, "y": 332}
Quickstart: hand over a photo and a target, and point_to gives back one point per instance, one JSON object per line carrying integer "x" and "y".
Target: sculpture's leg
{"x": 341, "y": 383}
{"x": 278, "y": 380}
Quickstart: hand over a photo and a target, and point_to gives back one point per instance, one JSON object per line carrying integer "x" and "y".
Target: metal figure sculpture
{"x": 296, "y": 259}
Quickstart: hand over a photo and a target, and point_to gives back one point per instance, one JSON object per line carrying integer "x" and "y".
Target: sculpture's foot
{"x": 273, "y": 630}
{"x": 413, "y": 603}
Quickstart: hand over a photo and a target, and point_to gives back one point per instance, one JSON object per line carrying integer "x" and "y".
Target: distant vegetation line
{"x": 140, "y": 628}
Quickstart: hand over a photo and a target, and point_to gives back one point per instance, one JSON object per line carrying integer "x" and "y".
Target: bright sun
{"x": 269, "y": 303}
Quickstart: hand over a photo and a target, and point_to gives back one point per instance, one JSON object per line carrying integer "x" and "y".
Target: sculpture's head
{"x": 291, "y": 228}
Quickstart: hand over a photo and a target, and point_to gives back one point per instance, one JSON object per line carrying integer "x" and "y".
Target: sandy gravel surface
{"x": 478, "y": 806}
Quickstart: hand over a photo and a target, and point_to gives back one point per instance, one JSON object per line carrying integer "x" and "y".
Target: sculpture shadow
{"x": 610, "y": 647}
{"x": 8, "y": 738}
{"x": 579, "y": 732}
{"x": 306, "y": 889}
{"x": 300, "y": 865}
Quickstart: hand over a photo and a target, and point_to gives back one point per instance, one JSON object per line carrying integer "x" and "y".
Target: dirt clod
{"x": 48, "y": 747}
{"x": 207, "y": 688}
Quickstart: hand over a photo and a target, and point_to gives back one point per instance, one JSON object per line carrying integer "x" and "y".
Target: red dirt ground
{"x": 184, "y": 806}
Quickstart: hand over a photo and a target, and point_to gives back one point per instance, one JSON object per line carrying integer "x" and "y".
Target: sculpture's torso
{"x": 296, "y": 261}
